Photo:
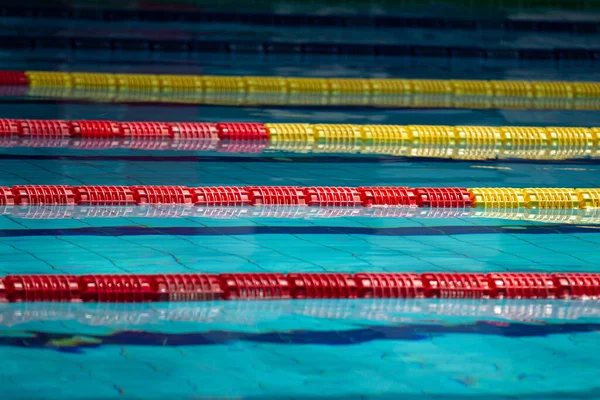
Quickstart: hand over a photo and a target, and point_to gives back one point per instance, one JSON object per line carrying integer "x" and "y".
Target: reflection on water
{"x": 562, "y": 216}
{"x": 268, "y": 313}
{"x": 306, "y": 99}
{"x": 220, "y": 323}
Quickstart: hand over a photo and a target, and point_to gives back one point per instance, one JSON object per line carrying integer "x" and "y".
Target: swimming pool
{"x": 366, "y": 348}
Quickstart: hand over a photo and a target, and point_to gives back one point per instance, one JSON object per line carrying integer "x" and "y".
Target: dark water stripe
{"x": 301, "y": 230}
{"x": 25, "y": 100}
{"x": 282, "y": 157}
{"x": 297, "y": 20}
{"x": 195, "y": 46}
{"x": 410, "y": 332}
{"x": 558, "y": 394}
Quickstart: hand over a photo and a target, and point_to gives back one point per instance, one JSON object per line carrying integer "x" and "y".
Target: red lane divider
{"x": 195, "y": 136}
{"x": 43, "y": 195}
{"x": 392, "y": 285}
{"x": 13, "y": 78}
{"x": 228, "y": 131}
{"x": 261, "y": 286}
{"x": 194, "y": 130}
{"x": 9, "y": 127}
{"x": 27, "y": 288}
{"x": 222, "y": 196}
{"x": 234, "y": 196}
{"x": 456, "y": 285}
{"x": 187, "y": 287}
{"x": 242, "y": 131}
{"x": 116, "y": 288}
{"x": 162, "y": 195}
{"x": 529, "y": 286}
{"x": 443, "y": 197}
{"x": 94, "y": 129}
{"x": 242, "y": 137}
{"x": 44, "y": 128}
{"x": 333, "y": 197}
{"x": 104, "y": 195}
{"x": 145, "y": 129}
{"x": 7, "y": 197}
{"x": 386, "y": 195}
{"x": 276, "y": 195}
{"x": 322, "y": 286}
{"x": 577, "y": 285}
{"x": 254, "y": 286}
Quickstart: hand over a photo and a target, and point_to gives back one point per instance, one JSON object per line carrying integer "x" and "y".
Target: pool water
{"x": 410, "y": 349}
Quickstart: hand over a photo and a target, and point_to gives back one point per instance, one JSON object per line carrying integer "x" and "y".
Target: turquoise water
{"x": 425, "y": 349}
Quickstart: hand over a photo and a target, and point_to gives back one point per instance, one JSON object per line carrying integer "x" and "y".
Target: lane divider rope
{"x": 322, "y": 196}
{"x": 456, "y": 142}
{"x": 264, "y": 286}
{"x": 276, "y": 84}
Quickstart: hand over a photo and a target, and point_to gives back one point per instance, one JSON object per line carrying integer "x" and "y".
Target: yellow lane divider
{"x": 535, "y": 198}
{"x": 459, "y": 142}
{"x": 325, "y": 86}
